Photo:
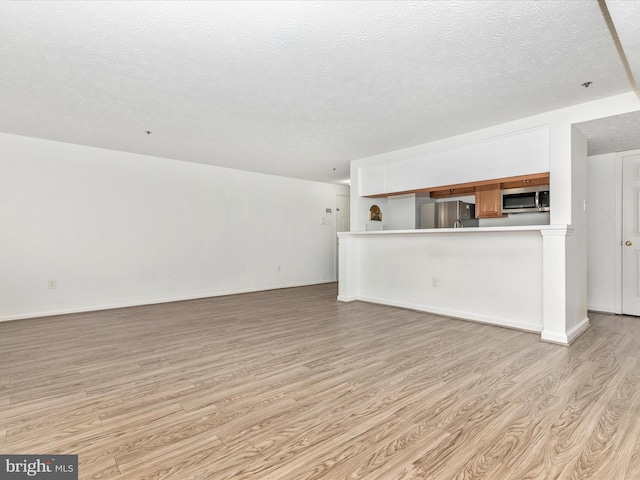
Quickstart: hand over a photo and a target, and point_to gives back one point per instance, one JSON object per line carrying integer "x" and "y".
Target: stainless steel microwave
{"x": 526, "y": 199}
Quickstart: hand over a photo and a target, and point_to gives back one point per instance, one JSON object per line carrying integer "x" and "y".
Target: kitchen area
{"x": 525, "y": 201}
{"x": 421, "y": 250}
{"x": 464, "y": 232}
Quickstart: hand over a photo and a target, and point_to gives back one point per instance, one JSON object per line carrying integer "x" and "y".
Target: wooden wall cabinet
{"x": 488, "y": 204}
{"x": 530, "y": 181}
{"x": 453, "y": 192}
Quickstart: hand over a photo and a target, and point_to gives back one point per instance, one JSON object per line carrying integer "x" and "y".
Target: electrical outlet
{"x": 434, "y": 282}
{"x": 52, "y": 284}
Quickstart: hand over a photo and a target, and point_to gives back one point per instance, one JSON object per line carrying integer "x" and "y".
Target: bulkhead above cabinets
{"x": 514, "y": 155}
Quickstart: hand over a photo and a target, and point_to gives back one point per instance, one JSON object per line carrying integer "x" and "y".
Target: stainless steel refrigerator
{"x": 454, "y": 214}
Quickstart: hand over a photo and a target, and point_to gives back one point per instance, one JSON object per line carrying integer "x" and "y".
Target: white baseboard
{"x": 578, "y": 330}
{"x": 347, "y": 298}
{"x": 142, "y": 302}
{"x": 568, "y": 337}
{"x": 462, "y": 315}
{"x": 554, "y": 337}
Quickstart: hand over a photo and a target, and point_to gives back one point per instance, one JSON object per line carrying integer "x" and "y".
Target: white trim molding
{"x": 568, "y": 338}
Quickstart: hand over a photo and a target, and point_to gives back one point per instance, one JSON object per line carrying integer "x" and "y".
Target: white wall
{"x": 517, "y": 220}
{"x": 401, "y": 212}
{"x": 116, "y": 229}
{"x": 485, "y": 275}
{"x": 576, "y": 266}
{"x": 603, "y": 244}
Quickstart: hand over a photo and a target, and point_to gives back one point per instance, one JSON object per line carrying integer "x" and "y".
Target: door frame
{"x": 619, "y": 217}
{"x": 618, "y": 214}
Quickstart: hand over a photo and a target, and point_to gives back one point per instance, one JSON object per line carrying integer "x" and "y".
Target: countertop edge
{"x": 559, "y": 229}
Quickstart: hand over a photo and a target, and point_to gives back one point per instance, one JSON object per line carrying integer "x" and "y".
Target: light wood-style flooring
{"x": 293, "y": 385}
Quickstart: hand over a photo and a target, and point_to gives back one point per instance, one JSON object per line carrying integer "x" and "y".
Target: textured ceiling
{"x": 293, "y": 88}
{"x": 612, "y": 134}
{"x": 625, "y": 15}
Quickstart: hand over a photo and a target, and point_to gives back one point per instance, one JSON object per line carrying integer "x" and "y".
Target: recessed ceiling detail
{"x": 625, "y": 15}
{"x": 293, "y": 88}
{"x": 618, "y": 133}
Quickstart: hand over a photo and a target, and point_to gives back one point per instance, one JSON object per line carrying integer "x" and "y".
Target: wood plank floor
{"x": 291, "y": 384}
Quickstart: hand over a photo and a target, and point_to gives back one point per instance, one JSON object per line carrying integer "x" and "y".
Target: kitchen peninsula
{"x": 487, "y": 274}
{"x": 513, "y": 274}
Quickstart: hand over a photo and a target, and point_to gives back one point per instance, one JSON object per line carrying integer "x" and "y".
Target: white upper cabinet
{"x": 406, "y": 175}
{"x": 521, "y": 153}
{"x": 524, "y": 153}
{"x": 371, "y": 180}
{"x": 469, "y": 163}
{"x": 478, "y": 161}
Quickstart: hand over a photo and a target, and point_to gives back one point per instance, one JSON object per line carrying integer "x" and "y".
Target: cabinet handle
{"x": 628, "y": 243}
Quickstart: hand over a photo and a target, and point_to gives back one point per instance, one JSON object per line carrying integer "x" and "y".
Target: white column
{"x": 554, "y": 301}
{"x": 348, "y": 268}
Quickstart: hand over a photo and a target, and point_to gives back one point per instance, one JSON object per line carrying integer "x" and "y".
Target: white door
{"x": 631, "y": 235}
{"x": 342, "y": 222}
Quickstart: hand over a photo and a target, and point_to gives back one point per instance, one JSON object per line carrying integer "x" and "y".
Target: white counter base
{"x": 489, "y": 275}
